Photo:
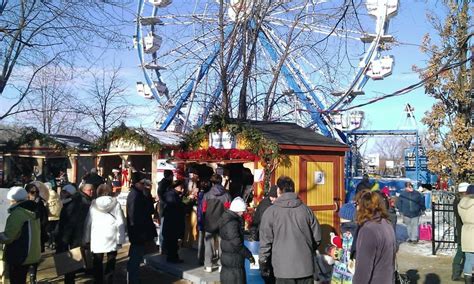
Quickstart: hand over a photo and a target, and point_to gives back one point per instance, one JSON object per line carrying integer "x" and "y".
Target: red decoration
{"x": 217, "y": 154}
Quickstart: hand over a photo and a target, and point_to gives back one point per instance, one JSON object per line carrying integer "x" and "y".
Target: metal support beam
{"x": 314, "y": 113}
{"x": 203, "y": 69}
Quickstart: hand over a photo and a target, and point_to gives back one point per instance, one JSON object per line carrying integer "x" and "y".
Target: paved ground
{"x": 414, "y": 260}
{"x": 422, "y": 267}
{"x": 47, "y": 273}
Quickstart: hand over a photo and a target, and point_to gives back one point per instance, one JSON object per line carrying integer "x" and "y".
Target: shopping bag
{"x": 425, "y": 232}
{"x": 68, "y": 261}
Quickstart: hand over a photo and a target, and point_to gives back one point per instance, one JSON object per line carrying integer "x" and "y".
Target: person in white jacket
{"x": 105, "y": 231}
{"x": 466, "y": 212}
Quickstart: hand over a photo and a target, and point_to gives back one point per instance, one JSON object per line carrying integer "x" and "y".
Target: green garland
{"x": 137, "y": 135}
{"x": 29, "y": 135}
{"x": 267, "y": 149}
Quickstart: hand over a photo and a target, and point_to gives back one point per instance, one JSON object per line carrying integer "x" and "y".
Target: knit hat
{"x": 136, "y": 176}
{"x": 69, "y": 188}
{"x": 462, "y": 187}
{"x": 273, "y": 191}
{"x": 238, "y": 205}
{"x": 470, "y": 189}
{"x": 17, "y": 193}
{"x": 348, "y": 212}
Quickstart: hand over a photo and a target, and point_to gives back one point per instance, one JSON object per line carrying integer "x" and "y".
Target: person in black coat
{"x": 364, "y": 184}
{"x": 140, "y": 226}
{"x": 262, "y": 206}
{"x": 71, "y": 221}
{"x": 173, "y": 223}
{"x": 40, "y": 210}
{"x": 163, "y": 186}
{"x": 234, "y": 252}
{"x": 94, "y": 179}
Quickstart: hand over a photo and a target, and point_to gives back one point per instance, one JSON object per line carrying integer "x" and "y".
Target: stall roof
{"x": 12, "y": 134}
{"x": 292, "y": 134}
{"x": 166, "y": 137}
{"x": 71, "y": 141}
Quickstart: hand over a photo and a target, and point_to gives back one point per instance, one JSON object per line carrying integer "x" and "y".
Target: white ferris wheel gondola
{"x": 381, "y": 68}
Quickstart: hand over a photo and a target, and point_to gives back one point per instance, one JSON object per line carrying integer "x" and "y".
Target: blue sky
{"x": 408, "y": 27}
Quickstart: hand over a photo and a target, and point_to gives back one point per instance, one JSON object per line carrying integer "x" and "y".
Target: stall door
{"x": 321, "y": 190}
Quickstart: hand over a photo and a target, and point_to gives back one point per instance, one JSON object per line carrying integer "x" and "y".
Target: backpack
{"x": 214, "y": 210}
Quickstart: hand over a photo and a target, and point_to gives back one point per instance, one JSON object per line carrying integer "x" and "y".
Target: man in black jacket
{"x": 139, "y": 224}
{"x": 163, "y": 185}
{"x": 289, "y": 237}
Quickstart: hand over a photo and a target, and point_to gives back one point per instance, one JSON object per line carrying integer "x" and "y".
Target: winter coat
{"x": 376, "y": 249}
{"x": 140, "y": 226}
{"x": 457, "y": 199}
{"x": 22, "y": 235}
{"x": 411, "y": 203}
{"x": 364, "y": 184}
{"x": 219, "y": 192}
{"x": 94, "y": 179}
{"x": 233, "y": 250}
{"x": 72, "y": 220}
{"x": 54, "y": 206}
{"x": 174, "y": 222}
{"x": 105, "y": 225}
{"x": 257, "y": 217}
{"x": 42, "y": 213}
{"x": 163, "y": 186}
{"x": 200, "y": 214}
{"x": 289, "y": 234}
{"x": 466, "y": 211}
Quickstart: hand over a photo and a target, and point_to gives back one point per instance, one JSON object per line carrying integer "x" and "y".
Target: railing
{"x": 443, "y": 221}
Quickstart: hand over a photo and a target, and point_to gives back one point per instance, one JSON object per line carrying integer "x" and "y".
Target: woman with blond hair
{"x": 376, "y": 242}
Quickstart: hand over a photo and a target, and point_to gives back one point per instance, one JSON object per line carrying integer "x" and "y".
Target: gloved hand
{"x": 252, "y": 259}
{"x": 265, "y": 268}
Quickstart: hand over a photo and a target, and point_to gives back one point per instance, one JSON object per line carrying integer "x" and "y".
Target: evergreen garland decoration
{"x": 137, "y": 135}
{"x": 29, "y": 135}
{"x": 267, "y": 150}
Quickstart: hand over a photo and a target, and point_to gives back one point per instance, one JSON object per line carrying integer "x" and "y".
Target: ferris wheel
{"x": 280, "y": 60}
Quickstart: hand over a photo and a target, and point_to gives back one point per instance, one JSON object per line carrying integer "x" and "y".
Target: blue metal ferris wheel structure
{"x": 180, "y": 45}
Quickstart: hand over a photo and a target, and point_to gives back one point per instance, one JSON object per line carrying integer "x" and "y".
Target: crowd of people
{"x": 89, "y": 217}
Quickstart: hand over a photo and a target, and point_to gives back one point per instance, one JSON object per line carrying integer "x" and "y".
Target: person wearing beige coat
{"x": 466, "y": 212}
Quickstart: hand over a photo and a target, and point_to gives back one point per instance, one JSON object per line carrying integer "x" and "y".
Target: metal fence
{"x": 443, "y": 221}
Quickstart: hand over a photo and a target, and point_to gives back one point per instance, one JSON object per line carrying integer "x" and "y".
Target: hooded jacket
{"x": 105, "y": 225}
{"x": 466, "y": 212}
{"x": 22, "y": 235}
{"x": 234, "y": 252}
{"x": 219, "y": 192}
{"x": 289, "y": 235}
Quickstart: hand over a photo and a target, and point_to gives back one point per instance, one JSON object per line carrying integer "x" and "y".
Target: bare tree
{"x": 105, "y": 103}
{"x": 50, "y": 32}
{"x": 48, "y": 102}
{"x": 391, "y": 149}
